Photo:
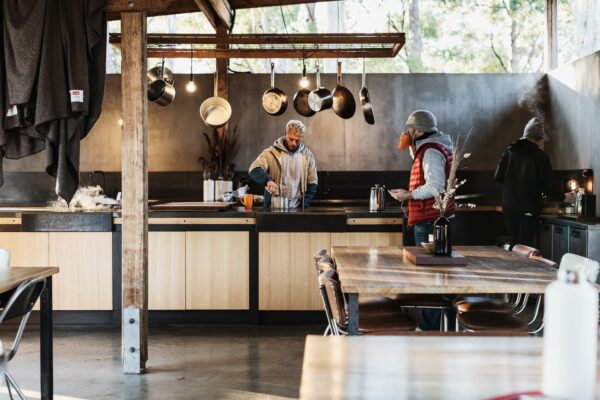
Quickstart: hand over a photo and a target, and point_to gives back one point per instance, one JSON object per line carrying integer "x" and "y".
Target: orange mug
{"x": 248, "y": 200}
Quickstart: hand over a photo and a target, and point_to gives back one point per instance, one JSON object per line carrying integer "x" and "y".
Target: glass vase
{"x": 442, "y": 240}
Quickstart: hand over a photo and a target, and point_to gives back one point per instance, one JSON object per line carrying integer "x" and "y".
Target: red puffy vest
{"x": 420, "y": 211}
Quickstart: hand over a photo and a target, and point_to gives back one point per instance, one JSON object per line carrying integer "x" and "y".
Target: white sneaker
{"x": 417, "y": 329}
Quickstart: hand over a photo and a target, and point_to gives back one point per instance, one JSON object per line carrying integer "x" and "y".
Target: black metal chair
{"x": 19, "y": 305}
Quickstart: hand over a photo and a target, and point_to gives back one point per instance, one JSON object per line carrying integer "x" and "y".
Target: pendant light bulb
{"x": 304, "y": 80}
{"x": 191, "y": 86}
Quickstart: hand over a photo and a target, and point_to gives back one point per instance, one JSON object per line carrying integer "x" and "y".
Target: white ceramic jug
{"x": 4, "y": 258}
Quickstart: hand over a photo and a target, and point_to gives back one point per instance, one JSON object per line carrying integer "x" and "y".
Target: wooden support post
{"x": 222, "y": 88}
{"x": 222, "y": 85}
{"x": 551, "y": 34}
{"x": 134, "y": 167}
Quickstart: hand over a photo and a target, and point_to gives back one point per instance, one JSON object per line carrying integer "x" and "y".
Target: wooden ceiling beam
{"x": 113, "y": 6}
{"x": 240, "y": 4}
{"x": 269, "y": 53}
{"x": 216, "y": 11}
{"x": 175, "y": 7}
{"x": 157, "y": 7}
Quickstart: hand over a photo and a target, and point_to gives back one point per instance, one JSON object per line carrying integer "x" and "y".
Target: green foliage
{"x": 456, "y": 36}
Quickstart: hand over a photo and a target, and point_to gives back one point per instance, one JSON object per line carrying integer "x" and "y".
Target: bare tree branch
{"x": 497, "y": 55}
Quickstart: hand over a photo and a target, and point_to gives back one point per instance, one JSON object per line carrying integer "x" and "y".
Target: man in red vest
{"x": 431, "y": 151}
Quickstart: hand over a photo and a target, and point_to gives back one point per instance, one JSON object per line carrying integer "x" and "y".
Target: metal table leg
{"x": 46, "y": 364}
{"x": 353, "y": 314}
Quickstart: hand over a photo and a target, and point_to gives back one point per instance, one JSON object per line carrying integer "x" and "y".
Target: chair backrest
{"x": 326, "y": 259}
{"x": 22, "y": 299}
{"x": 526, "y": 251}
{"x": 4, "y": 258}
{"x": 543, "y": 260}
{"x": 324, "y": 266}
{"x": 335, "y": 296}
{"x": 583, "y": 266}
{"x": 319, "y": 253}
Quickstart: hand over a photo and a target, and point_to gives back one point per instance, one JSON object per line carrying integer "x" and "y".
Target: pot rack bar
{"x": 318, "y": 45}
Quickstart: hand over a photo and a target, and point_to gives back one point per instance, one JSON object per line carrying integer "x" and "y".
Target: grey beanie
{"x": 534, "y": 129}
{"x": 422, "y": 120}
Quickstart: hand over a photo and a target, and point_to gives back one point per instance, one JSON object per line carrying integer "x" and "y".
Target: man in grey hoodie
{"x": 287, "y": 168}
{"x": 432, "y": 154}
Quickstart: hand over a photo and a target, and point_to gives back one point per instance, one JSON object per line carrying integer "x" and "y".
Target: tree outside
{"x": 442, "y": 36}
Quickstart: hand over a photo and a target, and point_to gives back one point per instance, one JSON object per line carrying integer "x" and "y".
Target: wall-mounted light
{"x": 191, "y": 86}
{"x": 573, "y": 185}
{"x": 304, "y": 80}
{"x": 120, "y": 122}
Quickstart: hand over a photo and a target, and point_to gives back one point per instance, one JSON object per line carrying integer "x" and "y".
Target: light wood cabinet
{"x": 287, "y": 278}
{"x": 366, "y": 239}
{"x": 28, "y": 249}
{"x": 166, "y": 270}
{"x": 85, "y": 278}
{"x": 217, "y": 269}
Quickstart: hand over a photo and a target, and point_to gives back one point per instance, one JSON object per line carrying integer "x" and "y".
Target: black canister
{"x": 588, "y": 205}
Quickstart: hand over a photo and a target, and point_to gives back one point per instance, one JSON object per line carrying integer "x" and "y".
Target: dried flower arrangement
{"x": 222, "y": 149}
{"x": 443, "y": 198}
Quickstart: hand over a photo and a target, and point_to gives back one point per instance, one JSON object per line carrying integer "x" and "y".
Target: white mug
{"x": 4, "y": 258}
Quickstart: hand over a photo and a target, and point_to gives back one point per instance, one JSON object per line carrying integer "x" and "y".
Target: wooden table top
{"x": 385, "y": 271}
{"x": 12, "y": 277}
{"x": 413, "y": 367}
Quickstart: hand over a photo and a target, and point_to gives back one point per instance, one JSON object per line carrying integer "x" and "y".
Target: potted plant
{"x": 217, "y": 163}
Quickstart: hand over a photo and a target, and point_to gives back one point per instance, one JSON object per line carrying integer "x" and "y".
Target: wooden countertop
{"x": 385, "y": 271}
{"x": 413, "y": 367}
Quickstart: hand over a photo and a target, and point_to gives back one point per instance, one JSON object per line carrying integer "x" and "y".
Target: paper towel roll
{"x": 209, "y": 190}
{"x": 570, "y": 339}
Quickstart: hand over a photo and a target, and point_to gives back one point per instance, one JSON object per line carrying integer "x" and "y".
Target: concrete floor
{"x": 185, "y": 362}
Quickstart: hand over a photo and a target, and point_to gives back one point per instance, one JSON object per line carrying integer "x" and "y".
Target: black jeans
{"x": 431, "y": 318}
{"x": 521, "y": 228}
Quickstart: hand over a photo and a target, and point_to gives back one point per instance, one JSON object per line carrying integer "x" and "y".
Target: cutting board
{"x": 192, "y": 206}
{"x": 420, "y": 256}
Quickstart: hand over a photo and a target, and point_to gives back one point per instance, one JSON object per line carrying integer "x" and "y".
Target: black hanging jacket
{"x": 65, "y": 101}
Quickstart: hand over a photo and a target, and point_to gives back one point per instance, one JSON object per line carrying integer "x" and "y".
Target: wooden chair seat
{"x": 491, "y": 321}
{"x": 478, "y": 303}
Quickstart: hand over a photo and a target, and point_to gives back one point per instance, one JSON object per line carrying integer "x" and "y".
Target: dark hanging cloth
{"x": 22, "y": 28}
{"x": 65, "y": 99}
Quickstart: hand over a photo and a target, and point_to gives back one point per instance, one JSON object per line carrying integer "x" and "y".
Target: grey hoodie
{"x": 434, "y": 166}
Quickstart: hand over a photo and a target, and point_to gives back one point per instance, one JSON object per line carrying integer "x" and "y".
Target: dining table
{"x": 417, "y": 367}
{"x": 10, "y": 279}
{"x": 387, "y": 271}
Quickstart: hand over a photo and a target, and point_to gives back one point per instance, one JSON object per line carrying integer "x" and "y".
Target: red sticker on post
{"x": 76, "y": 96}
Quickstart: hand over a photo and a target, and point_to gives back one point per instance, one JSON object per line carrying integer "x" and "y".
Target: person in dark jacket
{"x": 526, "y": 175}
